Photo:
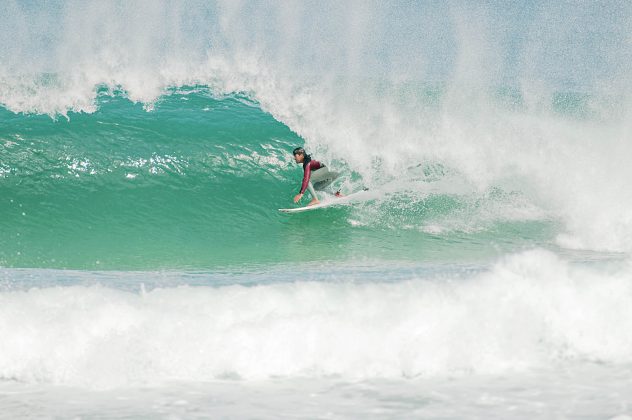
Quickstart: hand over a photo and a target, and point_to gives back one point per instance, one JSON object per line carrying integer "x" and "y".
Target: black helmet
{"x": 298, "y": 151}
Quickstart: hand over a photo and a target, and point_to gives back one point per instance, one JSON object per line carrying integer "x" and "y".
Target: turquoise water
{"x": 196, "y": 182}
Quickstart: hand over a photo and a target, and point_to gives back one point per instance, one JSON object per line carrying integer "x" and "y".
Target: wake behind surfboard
{"x": 336, "y": 201}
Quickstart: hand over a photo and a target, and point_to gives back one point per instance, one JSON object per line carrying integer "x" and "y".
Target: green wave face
{"x": 195, "y": 184}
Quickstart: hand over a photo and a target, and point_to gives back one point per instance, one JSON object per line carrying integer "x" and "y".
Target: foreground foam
{"x": 529, "y": 311}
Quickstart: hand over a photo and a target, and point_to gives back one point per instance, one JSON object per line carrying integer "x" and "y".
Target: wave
{"x": 196, "y": 183}
{"x": 529, "y": 311}
{"x": 380, "y": 90}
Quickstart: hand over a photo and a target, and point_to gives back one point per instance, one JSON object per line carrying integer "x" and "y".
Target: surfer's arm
{"x": 306, "y": 176}
{"x": 304, "y": 185}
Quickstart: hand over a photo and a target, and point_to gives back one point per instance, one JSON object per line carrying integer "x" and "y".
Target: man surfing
{"x": 315, "y": 176}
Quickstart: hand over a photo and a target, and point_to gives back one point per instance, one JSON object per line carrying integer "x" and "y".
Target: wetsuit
{"x": 309, "y": 165}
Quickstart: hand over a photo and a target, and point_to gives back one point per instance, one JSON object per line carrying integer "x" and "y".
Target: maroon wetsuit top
{"x": 309, "y": 166}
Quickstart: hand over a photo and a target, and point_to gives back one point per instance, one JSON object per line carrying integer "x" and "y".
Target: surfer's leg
{"x": 311, "y": 190}
{"x": 319, "y": 174}
{"x": 323, "y": 177}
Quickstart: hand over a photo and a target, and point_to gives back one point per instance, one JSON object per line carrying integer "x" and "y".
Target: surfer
{"x": 313, "y": 171}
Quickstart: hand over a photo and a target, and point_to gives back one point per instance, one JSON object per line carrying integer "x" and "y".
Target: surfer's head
{"x": 299, "y": 154}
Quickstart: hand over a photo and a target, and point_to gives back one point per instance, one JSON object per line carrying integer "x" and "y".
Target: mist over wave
{"x": 532, "y": 99}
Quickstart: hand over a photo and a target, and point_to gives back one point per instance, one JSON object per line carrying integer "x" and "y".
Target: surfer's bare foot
{"x": 314, "y": 201}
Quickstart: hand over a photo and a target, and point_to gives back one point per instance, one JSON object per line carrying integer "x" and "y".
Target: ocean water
{"x": 145, "y": 271}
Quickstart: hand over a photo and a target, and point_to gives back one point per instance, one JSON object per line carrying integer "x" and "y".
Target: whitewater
{"x": 145, "y": 271}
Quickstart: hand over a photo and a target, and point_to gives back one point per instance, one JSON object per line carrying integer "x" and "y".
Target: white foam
{"x": 529, "y": 311}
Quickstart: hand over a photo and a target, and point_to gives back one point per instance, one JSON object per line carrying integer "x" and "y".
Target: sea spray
{"x": 378, "y": 88}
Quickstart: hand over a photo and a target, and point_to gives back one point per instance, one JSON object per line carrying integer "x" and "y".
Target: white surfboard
{"x": 335, "y": 201}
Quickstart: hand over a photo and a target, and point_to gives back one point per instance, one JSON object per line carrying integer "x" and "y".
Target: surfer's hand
{"x": 298, "y": 197}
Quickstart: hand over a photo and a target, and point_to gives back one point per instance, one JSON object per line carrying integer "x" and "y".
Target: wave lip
{"x": 529, "y": 311}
